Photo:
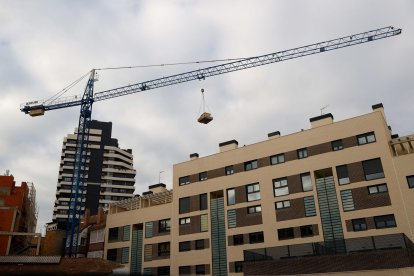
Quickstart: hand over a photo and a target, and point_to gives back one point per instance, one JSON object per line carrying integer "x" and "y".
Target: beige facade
{"x": 333, "y": 182}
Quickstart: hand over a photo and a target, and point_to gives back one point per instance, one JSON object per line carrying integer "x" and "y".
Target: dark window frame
{"x": 184, "y": 246}
{"x": 254, "y": 191}
{"x": 359, "y": 224}
{"x": 184, "y": 180}
{"x": 337, "y": 145}
{"x": 184, "y": 205}
{"x": 238, "y": 239}
{"x": 302, "y": 153}
{"x": 366, "y": 138}
{"x": 369, "y": 172}
{"x": 301, "y": 181}
{"x": 254, "y": 209}
{"x": 184, "y": 221}
{"x": 342, "y": 174}
{"x": 203, "y": 201}
{"x": 306, "y": 231}
{"x": 184, "y": 270}
{"x": 233, "y": 198}
{"x": 387, "y": 220}
{"x": 284, "y": 204}
{"x": 164, "y": 249}
{"x": 200, "y": 244}
{"x": 377, "y": 189}
{"x": 285, "y": 233}
{"x": 229, "y": 170}
{"x": 410, "y": 181}
{"x": 256, "y": 237}
{"x": 283, "y": 184}
{"x": 113, "y": 234}
{"x": 277, "y": 159}
{"x": 164, "y": 225}
{"x": 203, "y": 176}
{"x": 250, "y": 165}
{"x": 238, "y": 266}
{"x": 200, "y": 269}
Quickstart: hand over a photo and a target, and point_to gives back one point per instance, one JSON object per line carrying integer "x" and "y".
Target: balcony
{"x": 402, "y": 145}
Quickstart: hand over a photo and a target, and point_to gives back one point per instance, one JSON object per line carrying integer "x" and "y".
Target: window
{"x": 184, "y": 270}
{"x": 184, "y": 180}
{"x": 256, "y": 237}
{"x": 238, "y": 267}
{"x": 127, "y": 232}
{"x": 185, "y": 221}
{"x": 277, "y": 159}
{"x": 125, "y": 255}
{"x": 282, "y": 204}
{"x": 148, "y": 229}
{"x": 111, "y": 254}
{"x": 163, "y": 271}
{"x": 231, "y": 197}
{"x": 229, "y": 170}
{"x": 337, "y": 145}
{"x": 164, "y": 225}
{"x": 343, "y": 177}
{"x": 306, "y": 231}
{"x": 204, "y": 223}
{"x": 254, "y": 209}
{"x": 373, "y": 169}
{"x": 285, "y": 233}
{"x": 306, "y": 182}
{"x": 410, "y": 181}
{"x": 67, "y": 179}
{"x": 386, "y": 221}
{"x": 231, "y": 218}
{"x": 347, "y": 200}
{"x": 309, "y": 203}
{"x": 184, "y": 205}
{"x": 366, "y": 138}
{"x": 199, "y": 244}
{"x": 359, "y": 224}
{"x": 184, "y": 246}
{"x": 200, "y": 269}
{"x": 375, "y": 189}
{"x": 280, "y": 186}
{"x": 253, "y": 192}
{"x": 83, "y": 241}
{"x": 113, "y": 234}
{"x": 202, "y": 176}
{"x": 302, "y": 153}
{"x": 203, "y": 202}
{"x": 238, "y": 239}
{"x": 164, "y": 249}
{"x": 250, "y": 165}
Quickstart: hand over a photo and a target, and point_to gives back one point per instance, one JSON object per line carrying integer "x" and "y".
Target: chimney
{"x": 321, "y": 120}
{"x": 273, "y": 135}
{"x": 229, "y": 145}
{"x": 194, "y": 156}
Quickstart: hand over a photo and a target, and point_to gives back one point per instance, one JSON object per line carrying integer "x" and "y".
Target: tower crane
{"x": 37, "y": 108}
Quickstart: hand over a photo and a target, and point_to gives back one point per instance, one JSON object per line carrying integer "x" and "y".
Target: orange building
{"x": 18, "y": 215}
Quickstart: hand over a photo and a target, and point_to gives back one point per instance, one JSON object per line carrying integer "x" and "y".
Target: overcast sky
{"x": 45, "y": 45}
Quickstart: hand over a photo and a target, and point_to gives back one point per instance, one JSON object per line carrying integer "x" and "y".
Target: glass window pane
{"x": 231, "y": 197}
{"x": 306, "y": 182}
{"x": 253, "y": 196}
{"x": 281, "y": 191}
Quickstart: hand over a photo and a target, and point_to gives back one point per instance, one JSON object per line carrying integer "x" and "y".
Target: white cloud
{"x": 44, "y": 45}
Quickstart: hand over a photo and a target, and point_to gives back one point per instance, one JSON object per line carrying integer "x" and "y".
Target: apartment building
{"x": 18, "y": 217}
{"x": 138, "y": 232}
{"x": 110, "y": 173}
{"x": 334, "y": 189}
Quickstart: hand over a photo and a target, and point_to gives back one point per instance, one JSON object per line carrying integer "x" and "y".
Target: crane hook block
{"x": 205, "y": 118}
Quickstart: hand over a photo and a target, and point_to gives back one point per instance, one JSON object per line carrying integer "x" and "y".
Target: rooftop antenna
{"x": 323, "y": 108}
{"x": 159, "y": 176}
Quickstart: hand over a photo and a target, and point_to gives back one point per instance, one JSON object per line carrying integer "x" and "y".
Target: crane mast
{"x": 36, "y": 108}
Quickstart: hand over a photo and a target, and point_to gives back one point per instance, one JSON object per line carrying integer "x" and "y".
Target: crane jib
{"x": 211, "y": 71}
